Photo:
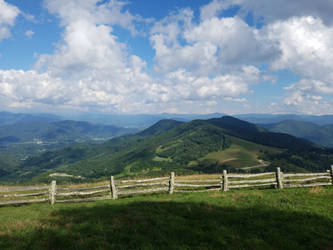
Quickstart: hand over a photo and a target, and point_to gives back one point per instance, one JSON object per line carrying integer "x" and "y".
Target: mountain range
{"x": 320, "y": 134}
{"x": 7, "y": 118}
{"x": 146, "y": 120}
{"x": 185, "y": 147}
{"x": 31, "y": 136}
{"x": 275, "y": 118}
{"x": 58, "y": 131}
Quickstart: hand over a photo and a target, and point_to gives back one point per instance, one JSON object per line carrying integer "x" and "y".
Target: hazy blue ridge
{"x": 275, "y": 118}
{"x": 319, "y": 134}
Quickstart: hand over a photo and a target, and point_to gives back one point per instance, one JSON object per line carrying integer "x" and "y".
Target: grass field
{"x": 251, "y": 219}
{"x": 240, "y": 154}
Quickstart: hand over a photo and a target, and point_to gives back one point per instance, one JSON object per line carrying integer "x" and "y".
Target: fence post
{"x": 225, "y": 181}
{"x": 279, "y": 176}
{"x": 113, "y": 189}
{"x": 171, "y": 182}
{"x": 332, "y": 173}
{"x": 53, "y": 190}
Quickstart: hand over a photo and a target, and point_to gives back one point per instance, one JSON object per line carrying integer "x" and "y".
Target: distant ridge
{"x": 7, "y": 118}
{"x": 275, "y": 118}
{"x": 320, "y": 134}
{"x": 257, "y": 134}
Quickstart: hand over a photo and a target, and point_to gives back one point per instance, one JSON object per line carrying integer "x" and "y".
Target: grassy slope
{"x": 253, "y": 219}
{"x": 240, "y": 154}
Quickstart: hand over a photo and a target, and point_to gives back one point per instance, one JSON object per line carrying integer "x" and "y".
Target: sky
{"x": 174, "y": 56}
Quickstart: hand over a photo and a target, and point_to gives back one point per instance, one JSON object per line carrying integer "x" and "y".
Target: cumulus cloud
{"x": 8, "y": 15}
{"x": 211, "y": 60}
{"x": 29, "y": 33}
{"x": 306, "y": 46}
{"x": 197, "y": 64}
{"x": 284, "y": 9}
{"x": 91, "y": 59}
{"x": 214, "y": 46}
{"x": 188, "y": 86}
{"x": 93, "y": 11}
{"x": 301, "y": 31}
{"x": 213, "y": 8}
{"x": 89, "y": 67}
{"x": 270, "y": 11}
{"x": 302, "y": 34}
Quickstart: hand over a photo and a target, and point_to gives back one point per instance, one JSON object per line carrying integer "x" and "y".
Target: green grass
{"x": 251, "y": 219}
{"x": 157, "y": 158}
{"x": 240, "y": 154}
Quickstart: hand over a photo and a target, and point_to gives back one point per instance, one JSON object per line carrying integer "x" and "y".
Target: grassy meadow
{"x": 239, "y": 219}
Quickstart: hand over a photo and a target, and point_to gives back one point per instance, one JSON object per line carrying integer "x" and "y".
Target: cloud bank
{"x": 199, "y": 64}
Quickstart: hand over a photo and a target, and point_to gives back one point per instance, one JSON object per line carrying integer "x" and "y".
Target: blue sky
{"x": 176, "y": 56}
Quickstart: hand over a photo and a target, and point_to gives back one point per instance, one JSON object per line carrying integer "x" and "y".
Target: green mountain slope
{"x": 160, "y": 127}
{"x": 190, "y": 147}
{"x": 322, "y": 135}
{"x": 254, "y": 133}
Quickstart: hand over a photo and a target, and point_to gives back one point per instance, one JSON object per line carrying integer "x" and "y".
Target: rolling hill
{"x": 186, "y": 147}
{"x": 320, "y": 134}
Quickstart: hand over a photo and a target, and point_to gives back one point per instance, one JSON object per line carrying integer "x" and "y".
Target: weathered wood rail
{"x": 171, "y": 184}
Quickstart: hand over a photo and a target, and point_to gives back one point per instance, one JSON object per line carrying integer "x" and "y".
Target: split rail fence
{"x": 171, "y": 184}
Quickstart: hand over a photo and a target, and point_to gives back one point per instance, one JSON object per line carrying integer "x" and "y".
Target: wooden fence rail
{"x": 169, "y": 185}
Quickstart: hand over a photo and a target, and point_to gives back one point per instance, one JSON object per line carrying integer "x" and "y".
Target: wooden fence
{"x": 180, "y": 184}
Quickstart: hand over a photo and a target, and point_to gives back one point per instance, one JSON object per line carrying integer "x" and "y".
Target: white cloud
{"x": 308, "y": 96}
{"x": 93, "y": 11}
{"x": 212, "y": 9}
{"x": 29, "y": 33}
{"x": 284, "y": 9}
{"x": 272, "y": 11}
{"x": 301, "y": 35}
{"x": 197, "y": 63}
{"x": 306, "y": 45}
{"x": 186, "y": 86}
{"x": 306, "y": 103}
{"x": 212, "y": 47}
{"x": 89, "y": 67}
{"x": 28, "y": 86}
{"x": 8, "y": 15}
{"x": 311, "y": 86}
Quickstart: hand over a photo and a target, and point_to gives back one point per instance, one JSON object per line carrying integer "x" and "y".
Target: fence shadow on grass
{"x": 174, "y": 225}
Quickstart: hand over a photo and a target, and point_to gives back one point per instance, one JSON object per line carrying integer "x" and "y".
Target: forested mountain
{"x": 186, "y": 147}
{"x": 320, "y": 134}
